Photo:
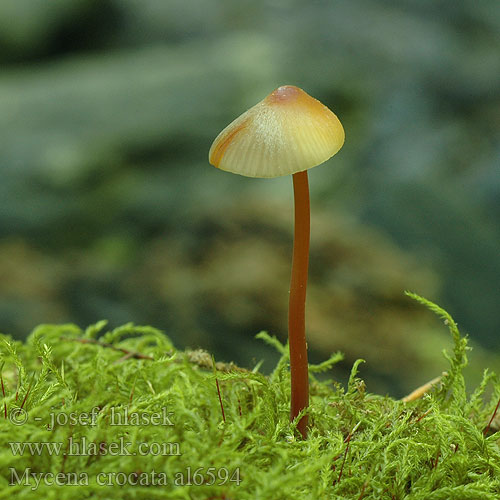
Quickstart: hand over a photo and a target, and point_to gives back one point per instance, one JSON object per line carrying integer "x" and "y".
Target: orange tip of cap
{"x": 287, "y": 132}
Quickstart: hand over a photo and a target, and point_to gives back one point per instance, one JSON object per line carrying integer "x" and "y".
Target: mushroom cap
{"x": 287, "y": 132}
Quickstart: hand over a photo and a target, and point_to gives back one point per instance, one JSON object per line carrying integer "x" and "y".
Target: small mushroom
{"x": 286, "y": 133}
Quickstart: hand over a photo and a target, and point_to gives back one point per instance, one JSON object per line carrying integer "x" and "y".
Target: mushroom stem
{"x": 297, "y": 303}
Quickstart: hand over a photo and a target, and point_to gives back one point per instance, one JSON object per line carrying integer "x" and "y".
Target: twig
{"x": 28, "y": 391}
{"x": 196, "y": 357}
{"x": 218, "y": 391}
{"x": 492, "y": 418}
{"x": 128, "y": 354}
{"x": 423, "y": 415}
{"x": 348, "y": 441}
{"x": 3, "y": 391}
{"x": 363, "y": 488}
{"x": 436, "y": 460}
{"x": 420, "y": 391}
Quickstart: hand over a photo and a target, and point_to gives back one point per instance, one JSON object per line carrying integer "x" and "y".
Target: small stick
{"x": 218, "y": 390}
{"x": 3, "y": 392}
{"x": 128, "y": 354}
{"x": 435, "y": 461}
{"x": 348, "y": 441}
{"x": 18, "y": 381}
{"x": 420, "y": 391}
{"x": 492, "y": 418}
{"x": 28, "y": 391}
{"x": 363, "y": 488}
{"x": 423, "y": 415}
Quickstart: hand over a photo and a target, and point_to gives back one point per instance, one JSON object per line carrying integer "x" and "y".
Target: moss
{"x": 66, "y": 390}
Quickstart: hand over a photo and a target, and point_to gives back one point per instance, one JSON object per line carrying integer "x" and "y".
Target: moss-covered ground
{"x": 122, "y": 414}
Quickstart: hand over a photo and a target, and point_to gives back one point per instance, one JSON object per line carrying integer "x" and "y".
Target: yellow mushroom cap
{"x": 287, "y": 132}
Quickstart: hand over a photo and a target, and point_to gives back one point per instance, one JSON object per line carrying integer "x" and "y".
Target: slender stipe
{"x": 297, "y": 304}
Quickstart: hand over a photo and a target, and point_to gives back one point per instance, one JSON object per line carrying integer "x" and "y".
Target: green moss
{"x": 68, "y": 389}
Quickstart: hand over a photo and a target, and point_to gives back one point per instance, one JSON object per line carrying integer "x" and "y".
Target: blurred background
{"x": 109, "y": 208}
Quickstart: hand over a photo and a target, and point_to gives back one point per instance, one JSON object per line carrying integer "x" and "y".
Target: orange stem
{"x": 297, "y": 304}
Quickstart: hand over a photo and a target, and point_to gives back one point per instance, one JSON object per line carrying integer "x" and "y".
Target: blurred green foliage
{"x": 109, "y": 208}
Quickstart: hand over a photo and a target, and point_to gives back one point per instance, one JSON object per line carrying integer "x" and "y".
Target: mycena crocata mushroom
{"x": 286, "y": 133}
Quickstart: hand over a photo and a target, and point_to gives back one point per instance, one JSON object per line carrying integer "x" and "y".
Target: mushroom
{"x": 286, "y": 133}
